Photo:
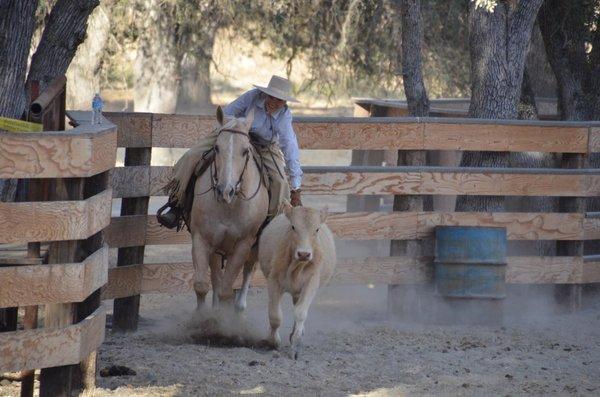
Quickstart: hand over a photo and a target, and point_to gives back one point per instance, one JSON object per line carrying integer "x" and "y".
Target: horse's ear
{"x": 220, "y": 115}
{"x": 249, "y": 119}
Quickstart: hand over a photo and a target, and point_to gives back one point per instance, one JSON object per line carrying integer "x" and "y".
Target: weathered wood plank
{"x": 123, "y": 281}
{"x": 519, "y": 225}
{"x": 400, "y": 180}
{"x": 43, "y": 348}
{"x": 591, "y": 271}
{"x": 591, "y": 228}
{"x": 59, "y": 283}
{"x": 389, "y": 225}
{"x": 177, "y": 277}
{"x": 497, "y": 137}
{"x": 55, "y": 220}
{"x": 363, "y": 135}
{"x": 132, "y": 181}
{"x": 183, "y": 131}
{"x": 159, "y": 177}
{"x": 594, "y": 144}
{"x": 82, "y": 152}
{"x": 544, "y": 270}
{"x": 486, "y": 184}
{"x": 133, "y": 129}
{"x": 128, "y": 231}
{"x": 451, "y": 183}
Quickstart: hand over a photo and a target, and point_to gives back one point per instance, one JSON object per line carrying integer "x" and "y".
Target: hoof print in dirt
{"x": 117, "y": 370}
{"x": 254, "y": 363}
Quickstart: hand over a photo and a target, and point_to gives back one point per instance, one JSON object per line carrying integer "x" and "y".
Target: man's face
{"x": 273, "y": 104}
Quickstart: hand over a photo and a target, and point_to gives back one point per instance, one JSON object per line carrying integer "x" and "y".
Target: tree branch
{"x": 64, "y": 31}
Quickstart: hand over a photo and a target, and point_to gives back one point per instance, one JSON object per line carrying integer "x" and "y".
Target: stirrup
{"x": 171, "y": 219}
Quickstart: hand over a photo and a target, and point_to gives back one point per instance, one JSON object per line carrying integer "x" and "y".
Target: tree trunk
{"x": 417, "y": 100}
{"x": 194, "y": 88}
{"x": 65, "y": 30}
{"x": 157, "y": 80}
{"x": 566, "y": 31}
{"x": 406, "y": 299}
{"x": 498, "y": 44}
{"x": 17, "y": 20}
{"x": 565, "y": 34}
{"x": 83, "y": 74}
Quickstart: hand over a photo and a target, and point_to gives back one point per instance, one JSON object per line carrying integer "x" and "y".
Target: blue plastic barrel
{"x": 470, "y": 262}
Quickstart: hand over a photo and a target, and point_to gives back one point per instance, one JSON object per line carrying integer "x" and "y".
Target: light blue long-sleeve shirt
{"x": 271, "y": 128}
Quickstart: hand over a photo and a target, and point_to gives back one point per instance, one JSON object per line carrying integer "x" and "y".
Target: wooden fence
{"x": 75, "y": 167}
{"x": 176, "y": 131}
{"x": 70, "y": 173}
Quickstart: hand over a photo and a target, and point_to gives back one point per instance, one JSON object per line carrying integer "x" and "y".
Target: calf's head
{"x": 305, "y": 225}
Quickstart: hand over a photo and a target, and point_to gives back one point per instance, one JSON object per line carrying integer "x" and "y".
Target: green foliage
{"x": 352, "y": 47}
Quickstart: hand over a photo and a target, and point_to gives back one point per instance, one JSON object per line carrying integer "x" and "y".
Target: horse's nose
{"x": 227, "y": 194}
{"x": 303, "y": 256}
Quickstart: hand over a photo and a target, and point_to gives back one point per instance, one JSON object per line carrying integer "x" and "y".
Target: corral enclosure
{"x": 137, "y": 181}
{"x": 176, "y": 131}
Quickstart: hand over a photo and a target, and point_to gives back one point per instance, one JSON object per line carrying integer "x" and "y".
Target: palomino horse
{"x": 230, "y": 204}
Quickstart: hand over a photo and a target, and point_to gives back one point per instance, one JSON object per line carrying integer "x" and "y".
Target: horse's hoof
{"x": 240, "y": 307}
{"x": 295, "y": 352}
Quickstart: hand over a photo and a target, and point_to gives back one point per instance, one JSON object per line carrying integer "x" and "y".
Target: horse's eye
{"x": 216, "y": 149}
{"x": 245, "y": 152}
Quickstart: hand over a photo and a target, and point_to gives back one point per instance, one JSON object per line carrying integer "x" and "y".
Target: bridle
{"x": 214, "y": 179}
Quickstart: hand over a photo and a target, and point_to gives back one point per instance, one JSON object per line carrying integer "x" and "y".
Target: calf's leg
{"x": 275, "y": 314}
{"x": 301, "y": 306}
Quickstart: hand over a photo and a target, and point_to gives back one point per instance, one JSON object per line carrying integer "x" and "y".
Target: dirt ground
{"x": 353, "y": 349}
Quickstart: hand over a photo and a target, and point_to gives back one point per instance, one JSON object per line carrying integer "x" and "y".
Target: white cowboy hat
{"x": 279, "y": 88}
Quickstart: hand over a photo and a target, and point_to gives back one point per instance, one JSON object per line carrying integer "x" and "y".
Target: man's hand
{"x": 295, "y": 198}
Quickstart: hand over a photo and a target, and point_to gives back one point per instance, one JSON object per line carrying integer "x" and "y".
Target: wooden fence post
{"x": 57, "y": 381}
{"x": 126, "y": 310}
{"x": 569, "y": 295}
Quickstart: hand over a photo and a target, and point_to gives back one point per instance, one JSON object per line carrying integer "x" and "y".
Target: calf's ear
{"x": 286, "y": 208}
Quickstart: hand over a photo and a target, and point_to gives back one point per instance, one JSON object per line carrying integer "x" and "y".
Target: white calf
{"x": 296, "y": 255}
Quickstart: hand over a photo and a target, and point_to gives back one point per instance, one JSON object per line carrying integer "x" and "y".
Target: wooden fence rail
{"x": 176, "y": 131}
{"x": 388, "y": 133}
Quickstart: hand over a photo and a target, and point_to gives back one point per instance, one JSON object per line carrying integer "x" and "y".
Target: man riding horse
{"x": 271, "y": 134}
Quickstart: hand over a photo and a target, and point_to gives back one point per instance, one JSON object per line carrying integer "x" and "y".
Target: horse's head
{"x": 232, "y": 154}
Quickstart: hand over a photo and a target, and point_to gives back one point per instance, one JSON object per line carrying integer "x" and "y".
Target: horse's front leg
{"x": 240, "y": 299}
{"x": 233, "y": 267}
{"x": 200, "y": 256}
{"x": 216, "y": 274}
